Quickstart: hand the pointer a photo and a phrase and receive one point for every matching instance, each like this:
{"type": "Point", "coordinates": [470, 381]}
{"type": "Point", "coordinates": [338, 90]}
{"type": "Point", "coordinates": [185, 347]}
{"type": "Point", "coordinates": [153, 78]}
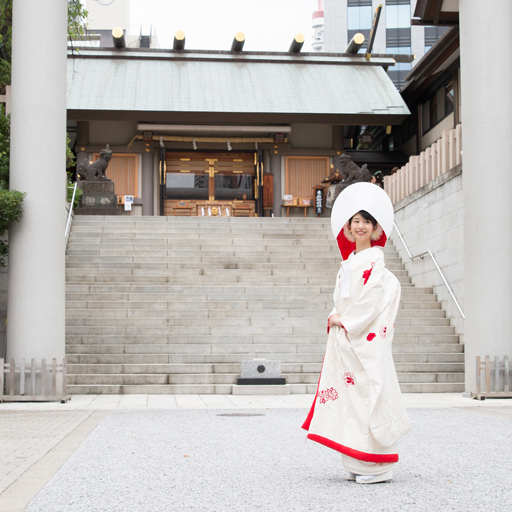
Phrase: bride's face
{"type": "Point", "coordinates": [361, 229]}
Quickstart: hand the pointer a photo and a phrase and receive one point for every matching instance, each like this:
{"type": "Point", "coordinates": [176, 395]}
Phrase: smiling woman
{"type": "Point", "coordinates": [358, 409]}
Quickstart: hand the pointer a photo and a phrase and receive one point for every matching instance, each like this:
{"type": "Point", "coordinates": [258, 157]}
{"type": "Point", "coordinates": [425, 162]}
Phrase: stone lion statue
{"type": "Point", "coordinates": [96, 170]}
{"type": "Point", "coordinates": [352, 173]}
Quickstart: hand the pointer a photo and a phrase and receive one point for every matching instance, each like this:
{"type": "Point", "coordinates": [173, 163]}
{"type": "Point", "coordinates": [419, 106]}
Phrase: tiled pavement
{"type": "Point", "coordinates": [25, 437]}
{"type": "Point", "coordinates": [37, 438]}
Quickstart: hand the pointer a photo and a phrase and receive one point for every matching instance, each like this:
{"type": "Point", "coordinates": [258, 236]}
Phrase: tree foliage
{"type": "Point", "coordinates": [77, 27]}
{"type": "Point", "coordinates": [5, 129]}
{"type": "Point", "coordinates": [10, 200]}
{"type": "Point", "coordinates": [10, 211]}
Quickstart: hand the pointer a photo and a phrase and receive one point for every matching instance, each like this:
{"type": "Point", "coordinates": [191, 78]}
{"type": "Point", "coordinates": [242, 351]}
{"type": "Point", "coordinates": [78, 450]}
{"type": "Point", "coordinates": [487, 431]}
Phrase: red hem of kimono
{"type": "Point", "coordinates": [355, 454]}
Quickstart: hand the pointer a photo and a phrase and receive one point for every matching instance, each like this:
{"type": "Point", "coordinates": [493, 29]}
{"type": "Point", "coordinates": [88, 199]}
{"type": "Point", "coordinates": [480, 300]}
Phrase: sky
{"type": "Point", "coordinates": [268, 25]}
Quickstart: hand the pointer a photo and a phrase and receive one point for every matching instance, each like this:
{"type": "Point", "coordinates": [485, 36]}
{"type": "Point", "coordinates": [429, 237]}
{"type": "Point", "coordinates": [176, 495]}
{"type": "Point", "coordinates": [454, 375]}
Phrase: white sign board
{"type": "Point", "coordinates": [128, 201]}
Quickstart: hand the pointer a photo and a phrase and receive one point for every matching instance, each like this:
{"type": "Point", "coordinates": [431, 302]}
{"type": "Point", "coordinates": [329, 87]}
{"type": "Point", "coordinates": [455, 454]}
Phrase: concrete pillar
{"type": "Point", "coordinates": [147, 183]}
{"type": "Point", "coordinates": [275, 169]}
{"type": "Point", "coordinates": [487, 106]}
{"type": "Point", "coordinates": [36, 292]}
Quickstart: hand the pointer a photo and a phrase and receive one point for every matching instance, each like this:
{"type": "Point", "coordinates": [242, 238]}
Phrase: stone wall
{"type": "Point", "coordinates": [432, 219]}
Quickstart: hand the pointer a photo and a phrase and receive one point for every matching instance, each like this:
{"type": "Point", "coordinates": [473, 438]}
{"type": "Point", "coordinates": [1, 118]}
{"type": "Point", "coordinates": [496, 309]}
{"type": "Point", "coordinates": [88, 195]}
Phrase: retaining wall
{"type": "Point", "coordinates": [431, 219]}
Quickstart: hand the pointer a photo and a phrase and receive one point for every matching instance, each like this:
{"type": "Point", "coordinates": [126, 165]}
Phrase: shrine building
{"type": "Point", "coordinates": [228, 132]}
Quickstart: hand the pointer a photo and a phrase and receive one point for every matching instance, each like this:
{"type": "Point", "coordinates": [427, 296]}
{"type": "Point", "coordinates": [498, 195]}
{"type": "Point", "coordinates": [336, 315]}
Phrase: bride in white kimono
{"type": "Point", "coordinates": [358, 409]}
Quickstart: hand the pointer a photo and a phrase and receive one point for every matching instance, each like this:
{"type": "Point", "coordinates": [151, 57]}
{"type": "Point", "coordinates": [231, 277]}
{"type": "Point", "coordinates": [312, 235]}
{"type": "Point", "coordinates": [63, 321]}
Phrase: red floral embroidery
{"type": "Point", "coordinates": [327, 394]}
{"type": "Point", "coordinates": [371, 336]}
{"type": "Point", "coordinates": [349, 379]}
{"type": "Point", "coordinates": [382, 331]}
{"type": "Point", "coordinates": [367, 273]}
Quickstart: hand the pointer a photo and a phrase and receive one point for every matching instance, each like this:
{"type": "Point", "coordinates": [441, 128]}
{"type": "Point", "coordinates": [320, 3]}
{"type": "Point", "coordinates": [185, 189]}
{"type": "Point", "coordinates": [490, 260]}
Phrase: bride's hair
{"type": "Point", "coordinates": [366, 216]}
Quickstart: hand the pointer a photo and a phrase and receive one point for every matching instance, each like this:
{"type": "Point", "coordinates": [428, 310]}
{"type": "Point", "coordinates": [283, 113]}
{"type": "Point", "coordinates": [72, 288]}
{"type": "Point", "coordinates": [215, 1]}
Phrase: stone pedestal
{"type": "Point", "coordinates": [260, 372]}
{"type": "Point", "coordinates": [98, 198]}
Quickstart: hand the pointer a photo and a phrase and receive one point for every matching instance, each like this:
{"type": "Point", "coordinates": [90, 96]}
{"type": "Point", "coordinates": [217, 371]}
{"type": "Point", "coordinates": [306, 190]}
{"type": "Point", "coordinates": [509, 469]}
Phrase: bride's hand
{"type": "Point", "coordinates": [335, 320]}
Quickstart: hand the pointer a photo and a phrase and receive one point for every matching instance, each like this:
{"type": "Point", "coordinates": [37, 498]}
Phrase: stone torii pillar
{"type": "Point", "coordinates": [36, 290]}
{"type": "Point", "coordinates": [486, 75]}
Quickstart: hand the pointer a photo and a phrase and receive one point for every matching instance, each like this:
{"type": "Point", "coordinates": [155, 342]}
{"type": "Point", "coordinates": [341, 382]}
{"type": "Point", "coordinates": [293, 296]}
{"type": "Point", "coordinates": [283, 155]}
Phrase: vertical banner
{"type": "Point", "coordinates": [319, 200]}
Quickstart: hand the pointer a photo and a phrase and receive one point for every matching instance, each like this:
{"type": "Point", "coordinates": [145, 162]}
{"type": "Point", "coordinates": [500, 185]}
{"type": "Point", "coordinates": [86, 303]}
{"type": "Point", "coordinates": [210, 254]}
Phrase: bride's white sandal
{"type": "Point", "coordinates": [374, 479]}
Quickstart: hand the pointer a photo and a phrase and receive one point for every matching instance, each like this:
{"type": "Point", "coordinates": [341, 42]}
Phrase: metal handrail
{"type": "Point", "coordinates": [70, 211]}
{"type": "Point", "coordinates": [428, 253]}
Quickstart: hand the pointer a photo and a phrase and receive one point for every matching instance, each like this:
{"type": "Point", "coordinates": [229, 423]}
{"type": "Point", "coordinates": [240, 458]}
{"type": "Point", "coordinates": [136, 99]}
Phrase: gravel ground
{"type": "Point", "coordinates": [258, 460]}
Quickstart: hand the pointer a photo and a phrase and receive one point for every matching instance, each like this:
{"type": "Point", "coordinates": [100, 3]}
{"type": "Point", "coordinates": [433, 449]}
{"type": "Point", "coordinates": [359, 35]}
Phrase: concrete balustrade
{"type": "Point", "coordinates": [440, 157]}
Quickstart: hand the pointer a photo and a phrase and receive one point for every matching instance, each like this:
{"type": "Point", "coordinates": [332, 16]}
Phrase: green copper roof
{"type": "Point", "coordinates": [166, 81]}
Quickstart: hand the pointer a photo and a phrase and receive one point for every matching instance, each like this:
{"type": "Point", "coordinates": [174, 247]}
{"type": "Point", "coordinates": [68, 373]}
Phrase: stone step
{"type": "Point", "coordinates": [194, 236]}
{"type": "Point", "coordinates": [201, 358]}
{"type": "Point", "coordinates": [234, 368]}
{"type": "Point", "coordinates": [197, 389]}
{"type": "Point", "coordinates": [317, 321]}
{"type": "Point", "coordinates": [314, 269]}
{"type": "Point", "coordinates": [227, 389]}
{"type": "Point", "coordinates": [265, 302]}
{"type": "Point", "coordinates": [228, 262]}
{"type": "Point", "coordinates": [220, 329]}
{"type": "Point", "coordinates": [195, 379]}
{"type": "Point", "coordinates": [283, 311]}
{"type": "Point", "coordinates": [284, 244]}
{"type": "Point", "coordinates": [219, 227]}
{"type": "Point", "coordinates": [174, 230]}
{"type": "Point", "coordinates": [98, 219]}
{"type": "Point", "coordinates": [227, 353]}
{"type": "Point", "coordinates": [270, 293]}
{"type": "Point", "coordinates": [435, 387]}
{"type": "Point", "coordinates": [299, 338]}
{"type": "Point", "coordinates": [226, 340]}
{"type": "Point", "coordinates": [208, 287]}
{"type": "Point", "coordinates": [163, 305]}
{"type": "Point", "coordinates": [197, 276]}
{"type": "Point", "coordinates": [226, 358]}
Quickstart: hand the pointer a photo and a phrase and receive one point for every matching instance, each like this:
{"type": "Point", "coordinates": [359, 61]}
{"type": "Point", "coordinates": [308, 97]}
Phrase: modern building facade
{"type": "Point", "coordinates": [395, 35]}
{"type": "Point", "coordinates": [105, 15]}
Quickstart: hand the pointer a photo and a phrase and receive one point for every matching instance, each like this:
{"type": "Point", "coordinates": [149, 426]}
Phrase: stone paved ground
{"type": "Point", "coordinates": [197, 453]}
{"type": "Point", "coordinates": [25, 438]}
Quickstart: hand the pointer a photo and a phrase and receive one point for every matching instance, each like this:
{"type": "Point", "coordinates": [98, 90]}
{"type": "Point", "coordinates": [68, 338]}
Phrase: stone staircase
{"type": "Point", "coordinates": [172, 305]}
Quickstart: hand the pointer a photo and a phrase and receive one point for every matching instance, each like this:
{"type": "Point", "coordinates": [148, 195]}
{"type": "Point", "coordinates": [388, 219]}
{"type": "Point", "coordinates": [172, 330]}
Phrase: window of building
{"type": "Point", "coordinates": [440, 105]}
{"type": "Point", "coordinates": [398, 37]}
{"type": "Point", "coordinates": [398, 14]}
{"type": "Point", "coordinates": [433, 110]}
{"type": "Point", "coordinates": [432, 34]}
{"type": "Point", "coordinates": [449, 98]}
{"type": "Point", "coordinates": [399, 71]}
{"type": "Point", "coordinates": [359, 15]}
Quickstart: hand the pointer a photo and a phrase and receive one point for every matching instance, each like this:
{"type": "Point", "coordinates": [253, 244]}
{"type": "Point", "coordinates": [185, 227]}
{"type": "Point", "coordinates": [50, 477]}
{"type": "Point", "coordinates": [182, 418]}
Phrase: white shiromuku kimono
{"type": "Point", "coordinates": [358, 407]}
